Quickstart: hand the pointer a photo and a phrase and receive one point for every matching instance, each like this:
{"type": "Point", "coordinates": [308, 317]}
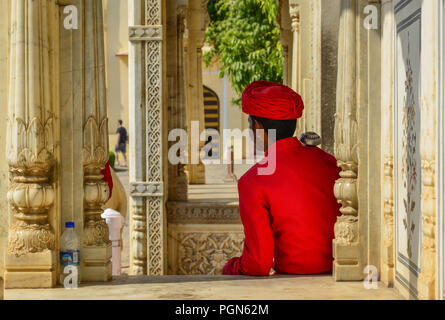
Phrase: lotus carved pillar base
{"type": "Point", "coordinates": [96, 249]}
{"type": "Point", "coordinates": [346, 248]}
{"type": "Point", "coordinates": [31, 256]}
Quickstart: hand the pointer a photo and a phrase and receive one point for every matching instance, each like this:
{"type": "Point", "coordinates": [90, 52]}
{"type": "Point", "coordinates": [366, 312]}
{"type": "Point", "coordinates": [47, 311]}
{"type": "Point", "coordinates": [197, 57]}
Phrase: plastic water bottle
{"type": "Point", "coordinates": [70, 254]}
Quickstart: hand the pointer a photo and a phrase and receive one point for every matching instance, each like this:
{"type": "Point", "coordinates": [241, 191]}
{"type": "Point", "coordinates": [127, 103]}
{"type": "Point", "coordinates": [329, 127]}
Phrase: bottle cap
{"type": "Point", "coordinates": [69, 225]}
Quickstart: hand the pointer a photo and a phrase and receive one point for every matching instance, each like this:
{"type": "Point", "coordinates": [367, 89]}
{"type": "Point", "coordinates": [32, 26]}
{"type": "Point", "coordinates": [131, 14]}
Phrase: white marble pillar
{"type": "Point", "coordinates": [346, 243]}
{"type": "Point", "coordinates": [178, 182]}
{"type": "Point", "coordinates": [96, 251]}
{"type": "Point", "coordinates": [387, 159]}
{"type": "Point", "coordinates": [428, 149]}
{"type": "Point", "coordinates": [295, 76]}
{"type": "Point", "coordinates": [155, 132]}
{"type": "Point", "coordinates": [182, 178]}
{"type": "Point", "coordinates": [138, 219]}
{"type": "Point", "coordinates": [294, 10]}
{"type": "Point", "coordinates": [197, 21]}
{"type": "Point", "coordinates": [284, 22]}
{"type": "Point", "coordinates": [31, 257]}
{"type": "Point", "coordinates": [147, 60]}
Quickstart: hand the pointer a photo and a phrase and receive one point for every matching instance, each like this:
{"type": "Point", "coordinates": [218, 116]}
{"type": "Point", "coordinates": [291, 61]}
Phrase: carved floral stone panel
{"type": "Point", "coordinates": [407, 160]}
{"type": "Point", "coordinates": [207, 253]}
{"type": "Point", "coordinates": [203, 249]}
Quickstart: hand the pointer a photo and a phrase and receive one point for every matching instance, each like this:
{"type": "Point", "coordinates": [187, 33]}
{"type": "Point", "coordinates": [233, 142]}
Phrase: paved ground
{"type": "Point", "coordinates": [212, 287]}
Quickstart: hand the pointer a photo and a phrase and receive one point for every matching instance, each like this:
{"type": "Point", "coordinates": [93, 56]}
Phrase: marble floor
{"type": "Point", "coordinates": [213, 288]}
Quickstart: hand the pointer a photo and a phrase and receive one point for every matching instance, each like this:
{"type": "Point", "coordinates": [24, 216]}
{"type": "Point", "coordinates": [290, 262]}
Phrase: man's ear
{"type": "Point", "coordinates": [257, 125]}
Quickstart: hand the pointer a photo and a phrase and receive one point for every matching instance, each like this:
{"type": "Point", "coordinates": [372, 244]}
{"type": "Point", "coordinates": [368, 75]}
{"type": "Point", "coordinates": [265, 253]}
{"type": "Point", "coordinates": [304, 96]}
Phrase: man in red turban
{"type": "Point", "coordinates": [288, 215]}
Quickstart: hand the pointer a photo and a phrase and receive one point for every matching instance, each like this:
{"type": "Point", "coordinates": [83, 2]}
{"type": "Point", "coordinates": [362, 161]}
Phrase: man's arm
{"type": "Point", "coordinates": [258, 252]}
{"type": "Point", "coordinates": [118, 137]}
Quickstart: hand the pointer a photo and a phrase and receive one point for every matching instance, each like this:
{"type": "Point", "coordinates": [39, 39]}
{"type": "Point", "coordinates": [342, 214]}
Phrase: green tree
{"type": "Point", "coordinates": [245, 39]}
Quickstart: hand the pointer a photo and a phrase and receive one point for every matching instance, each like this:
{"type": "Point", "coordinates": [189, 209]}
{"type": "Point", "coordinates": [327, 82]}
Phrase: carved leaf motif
{"type": "Point", "coordinates": [207, 253]}
{"type": "Point", "coordinates": [35, 141]}
{"type": "Point", "coordinates": [409, 161]}
{"type": "Point", "coordinates": [95, 140]}
{"type": "Point", "coordinates": [27, 238]}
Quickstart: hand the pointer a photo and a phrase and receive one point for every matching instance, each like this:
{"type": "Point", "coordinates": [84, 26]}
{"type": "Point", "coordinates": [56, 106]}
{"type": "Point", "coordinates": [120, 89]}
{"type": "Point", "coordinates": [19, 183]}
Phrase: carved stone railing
{"type": "Point", "coordinates": [203, 236]}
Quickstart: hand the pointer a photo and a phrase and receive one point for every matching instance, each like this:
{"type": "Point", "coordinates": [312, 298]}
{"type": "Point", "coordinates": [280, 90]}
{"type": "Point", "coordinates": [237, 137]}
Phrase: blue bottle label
{"type": "Point", "coordinates": [70, 258]}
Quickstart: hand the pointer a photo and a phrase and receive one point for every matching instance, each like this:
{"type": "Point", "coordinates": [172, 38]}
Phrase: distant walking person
{"type": "Point", "coordinates": [121, 143]}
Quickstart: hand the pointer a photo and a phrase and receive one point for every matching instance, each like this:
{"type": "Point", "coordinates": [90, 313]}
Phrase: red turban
{"type": "Point", "coordinates": [272, 100]}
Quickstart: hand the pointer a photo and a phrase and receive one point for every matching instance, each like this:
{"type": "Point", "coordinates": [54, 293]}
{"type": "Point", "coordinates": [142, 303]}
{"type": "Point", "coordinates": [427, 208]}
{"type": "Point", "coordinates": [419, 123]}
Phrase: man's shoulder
{"type": "Point", "coordinates": [323, 156]}
{"type": "Point", "coordinates": [250, 177]}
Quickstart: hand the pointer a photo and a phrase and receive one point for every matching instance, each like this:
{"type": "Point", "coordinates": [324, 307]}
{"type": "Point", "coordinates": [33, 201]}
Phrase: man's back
{"type": "Point", "coordinates": [299, 200]}
{"type": "Point", "coordinates": [122, 134]}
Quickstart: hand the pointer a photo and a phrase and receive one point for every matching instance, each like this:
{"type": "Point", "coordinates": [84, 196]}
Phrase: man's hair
{"type": "Point", "coordinates": [284, 128]}
{"type": "Point", "coordinates": [120, 122]}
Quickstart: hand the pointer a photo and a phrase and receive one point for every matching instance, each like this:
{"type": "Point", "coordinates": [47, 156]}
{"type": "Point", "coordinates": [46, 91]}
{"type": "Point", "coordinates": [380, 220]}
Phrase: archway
{"type": "Point", "coordinates": [212, 119]}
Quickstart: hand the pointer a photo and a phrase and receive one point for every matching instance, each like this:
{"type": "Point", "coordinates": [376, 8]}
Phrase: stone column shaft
{"type": "Point", "coordinates": [346, 242]}
{"type": "Point", "coordinates": [96, 251]}
{"type": "Point", "coordinates": [295, 77]}
{"type": "Point", "coordinates": [138, 214]}
{"type": "Point", "coordinates": [178, 183]}
{"type": "Point", "coordinates": [283, 21]}
{"type": "Point", "coordinates": [197, 20]}
{"type": "Point", "coordinates": [182, 179]}
{"type": "Point", "coordinates": [31, 258]}
{"type": "Point", "coordinates": [155, 85]}
{"type": "Point", "coordinates": [428, 150]}
{"type": "Point", "coordinates": [387, 258]}
{"type": "Point", "coordinates": [294, 10]}
{"type": "Point", "coordinates": [147, 67]}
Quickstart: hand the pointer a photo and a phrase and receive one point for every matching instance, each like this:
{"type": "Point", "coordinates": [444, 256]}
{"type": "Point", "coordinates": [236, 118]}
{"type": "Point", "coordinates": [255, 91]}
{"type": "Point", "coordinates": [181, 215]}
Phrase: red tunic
{"type": "Point", "coordinates": [108, 178]}
{"type": "Point", "coordinates": [289, 215]}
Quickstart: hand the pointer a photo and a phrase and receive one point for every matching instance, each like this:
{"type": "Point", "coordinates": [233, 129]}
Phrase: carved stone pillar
{"type": "Point", "coordinates": [295, 77]}
{"type": "Point", "coordinates": [294, 10]}
{"type": "Point", "coordinates": [146, 136]}
{"type": "Point", "coordinates": [197, 21]}
{"type": "Point", "coordinates": [428, 260]}
{"type": "Point", "coordinates": [182, 179]}
{"type": "Point", "coordinates": [137, 159]}
{"type": "Point", "coordinates": [96, 252]}
{"type": "Point", "coordinates": [284, 22]}
{"type": "Point", "coordinates": [154, 193]}
{"type": "Point", "coordinates": [286, 64]}
{"type": "Point", "coordinates": [178, 182]}
{"type": "Point", "coordinates": [346, 242]}
{"type": "Point", "coordinates": [387, 83]}
{"type": "Point", "coordinates": [31, 146]}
